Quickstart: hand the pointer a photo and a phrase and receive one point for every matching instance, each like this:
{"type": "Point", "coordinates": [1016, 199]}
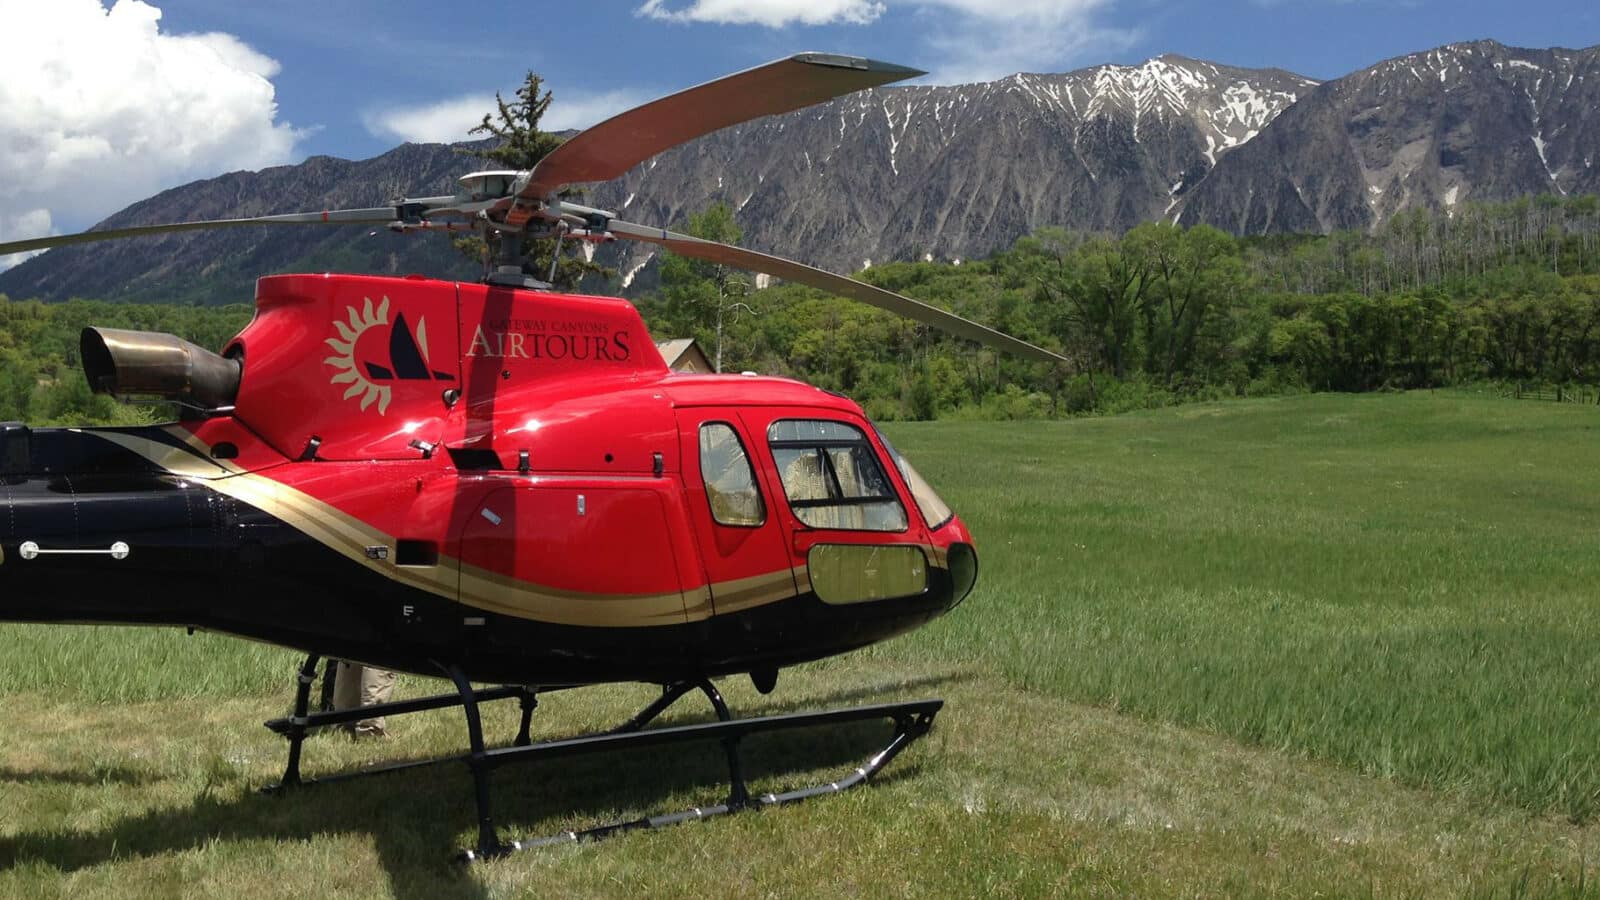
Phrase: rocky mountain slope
{"type": "Point", "coordinates": [954, 172]}
{"type": "Point", "coordinates": [1478, 121]}
{"type": "Point", "coordinates": [221, 266]}
{"type": "Point", "coordinates": [895, 173]}
{"type": "Point", "coordinates": [963, 171]}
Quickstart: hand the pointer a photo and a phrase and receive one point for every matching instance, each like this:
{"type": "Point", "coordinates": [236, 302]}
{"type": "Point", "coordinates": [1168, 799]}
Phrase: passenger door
{"type": "Point", "coordinates": [735, 519]}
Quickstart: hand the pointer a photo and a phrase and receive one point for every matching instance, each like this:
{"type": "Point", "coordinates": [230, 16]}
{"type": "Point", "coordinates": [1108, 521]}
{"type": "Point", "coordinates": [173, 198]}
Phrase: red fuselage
{"type": "Point", "coordinates": [419, 472]}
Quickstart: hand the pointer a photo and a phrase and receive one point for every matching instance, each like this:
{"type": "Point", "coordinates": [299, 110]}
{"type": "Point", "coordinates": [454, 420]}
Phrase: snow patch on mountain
{"type": "Point", "coordinates": [635, 269]}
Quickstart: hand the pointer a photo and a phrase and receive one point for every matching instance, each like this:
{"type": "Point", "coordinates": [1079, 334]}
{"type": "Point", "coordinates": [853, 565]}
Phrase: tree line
{"type": "Point", "coordinates": [41, 374]}
{"type": "Point", "coordinates": [1483, 293]}
{"type": "Point", "coordinates": [1156, 316]}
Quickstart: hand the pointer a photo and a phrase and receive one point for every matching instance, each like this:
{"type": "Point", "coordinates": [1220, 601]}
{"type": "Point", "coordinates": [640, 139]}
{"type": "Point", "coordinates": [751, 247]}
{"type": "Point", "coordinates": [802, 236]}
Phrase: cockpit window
{"type": "Point", "coordinates": [934, 510]}
{"type": "Point", "coordinates": [832, 476]}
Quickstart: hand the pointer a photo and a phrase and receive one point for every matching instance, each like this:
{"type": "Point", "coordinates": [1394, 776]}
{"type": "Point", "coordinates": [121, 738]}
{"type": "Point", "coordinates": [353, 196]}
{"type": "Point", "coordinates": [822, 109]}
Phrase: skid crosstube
{"type": "Point", "coordinates": [298, 724]}
{"type": "Point", "coordinates": [911, 720]}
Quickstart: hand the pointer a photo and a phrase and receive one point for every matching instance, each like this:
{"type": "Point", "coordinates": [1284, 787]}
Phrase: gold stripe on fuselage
{"type": "Point", "coordinates": [173, 460]}
{"type": "Point", "coordinates": [749, 593]}
{"type": "Point", "coordinates": [452, 579]}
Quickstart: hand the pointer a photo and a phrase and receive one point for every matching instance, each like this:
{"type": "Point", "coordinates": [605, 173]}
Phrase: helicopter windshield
{"type": "Point", "coordinates": [934, 510]}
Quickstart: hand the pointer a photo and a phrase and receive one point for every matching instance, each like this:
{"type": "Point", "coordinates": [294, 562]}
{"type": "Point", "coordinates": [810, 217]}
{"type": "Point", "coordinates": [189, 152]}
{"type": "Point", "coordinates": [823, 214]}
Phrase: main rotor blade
{"type": "Point", "coordinates": [611, 148]}
{"type": "Point", "coordinates": [750, 260]}
{"type": "Point", "coordinates": [379, 215]}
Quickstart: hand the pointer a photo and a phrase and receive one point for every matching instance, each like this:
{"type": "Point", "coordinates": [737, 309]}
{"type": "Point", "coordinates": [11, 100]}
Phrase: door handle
{"type": "Point", "coordinates": [31, 550]}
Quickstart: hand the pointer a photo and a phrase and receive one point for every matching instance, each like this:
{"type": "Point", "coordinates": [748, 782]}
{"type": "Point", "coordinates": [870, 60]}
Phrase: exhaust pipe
{"type": "Point", "coordinates": [149, 363]}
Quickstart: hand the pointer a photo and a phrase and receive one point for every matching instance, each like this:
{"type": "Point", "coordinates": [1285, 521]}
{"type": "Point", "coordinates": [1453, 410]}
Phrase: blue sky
{"type": "Point", "coordinates": [108, 101]}
{"type": "Point", "coordinates": [347, 60]}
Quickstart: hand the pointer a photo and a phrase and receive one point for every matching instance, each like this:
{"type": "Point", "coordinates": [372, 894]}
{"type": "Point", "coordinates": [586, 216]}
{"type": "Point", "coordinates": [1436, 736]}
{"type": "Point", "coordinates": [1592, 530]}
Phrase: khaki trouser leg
{"type": "Point", "coordinates": [355, 686]}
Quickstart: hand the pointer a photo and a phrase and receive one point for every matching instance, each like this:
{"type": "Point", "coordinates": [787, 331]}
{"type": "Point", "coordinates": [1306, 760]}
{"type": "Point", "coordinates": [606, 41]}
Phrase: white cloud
{"type": "Point", "coordinates": [441, 122]}
{"type": "Point", "coordinates": [1033, 11]}
{"type": "Point", "coordinates": [967, 40]}
{"type": "Point", "coordinates": [973, 40]}
{"type": "Point", "coordinates": [580, 110]}
{"type": "Point", "coordinates": [17, 226]}
{"type": "Point", "coordinates": [99, 108]}
{"type": "Point", "coordinates": [771, 13]}
{"type": "Point", "coordinates": [445, 121]}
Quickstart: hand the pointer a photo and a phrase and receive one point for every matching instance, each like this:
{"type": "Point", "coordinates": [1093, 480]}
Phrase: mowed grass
{"type": "Point", "coordinates": [1318, 645]}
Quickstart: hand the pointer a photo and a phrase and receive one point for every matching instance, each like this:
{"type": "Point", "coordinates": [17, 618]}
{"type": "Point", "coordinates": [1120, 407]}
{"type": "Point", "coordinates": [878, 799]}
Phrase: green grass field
{"type": "Point", "coordinates": [1329, 644]}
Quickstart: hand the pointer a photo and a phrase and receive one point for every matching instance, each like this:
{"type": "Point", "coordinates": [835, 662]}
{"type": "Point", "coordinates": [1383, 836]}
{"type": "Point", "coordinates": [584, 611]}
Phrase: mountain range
{"type": "Point", "coordinates": [1478, 121]}
{"type": "Point", "coordinates": [953, 172]}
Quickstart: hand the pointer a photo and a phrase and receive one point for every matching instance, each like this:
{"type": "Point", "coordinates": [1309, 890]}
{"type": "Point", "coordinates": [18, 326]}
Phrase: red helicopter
{"type": "Point", "coordinates": [500, 483]}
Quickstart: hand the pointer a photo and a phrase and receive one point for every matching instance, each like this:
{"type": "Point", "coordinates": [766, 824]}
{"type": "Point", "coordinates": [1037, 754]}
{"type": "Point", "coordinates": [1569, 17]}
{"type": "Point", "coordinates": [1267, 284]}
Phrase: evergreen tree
{"type": "Point", "coordinates": [520, 144]}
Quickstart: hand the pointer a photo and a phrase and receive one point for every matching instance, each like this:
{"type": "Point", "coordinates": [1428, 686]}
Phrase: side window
{"type": "Point", "coordinates": [730, 482]}
{"type": "Point", "coordinates": [832, 476]}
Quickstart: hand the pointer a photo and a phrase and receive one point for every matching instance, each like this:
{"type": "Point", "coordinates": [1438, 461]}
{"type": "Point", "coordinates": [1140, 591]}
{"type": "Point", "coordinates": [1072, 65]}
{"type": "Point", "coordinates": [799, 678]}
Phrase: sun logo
{"type": "Point", "coordinates": [344, 348]}
{"type": "Point", "coordinates": [363, 362]}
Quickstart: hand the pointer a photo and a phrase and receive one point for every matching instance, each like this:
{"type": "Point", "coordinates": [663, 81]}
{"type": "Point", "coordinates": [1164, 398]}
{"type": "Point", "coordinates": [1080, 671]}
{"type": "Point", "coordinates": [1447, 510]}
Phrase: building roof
{"type": "Point", "coordinates": [683, 354]}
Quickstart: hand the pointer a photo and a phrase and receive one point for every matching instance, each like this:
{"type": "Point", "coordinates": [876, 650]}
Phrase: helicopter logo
{"type": "Point", "coordinates": [404, 354]}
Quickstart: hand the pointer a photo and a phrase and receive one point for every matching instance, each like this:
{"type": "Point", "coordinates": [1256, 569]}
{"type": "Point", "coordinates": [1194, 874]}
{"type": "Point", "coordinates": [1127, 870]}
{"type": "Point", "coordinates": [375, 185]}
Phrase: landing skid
{"type": "Point", "coordinates": [911, 721]}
